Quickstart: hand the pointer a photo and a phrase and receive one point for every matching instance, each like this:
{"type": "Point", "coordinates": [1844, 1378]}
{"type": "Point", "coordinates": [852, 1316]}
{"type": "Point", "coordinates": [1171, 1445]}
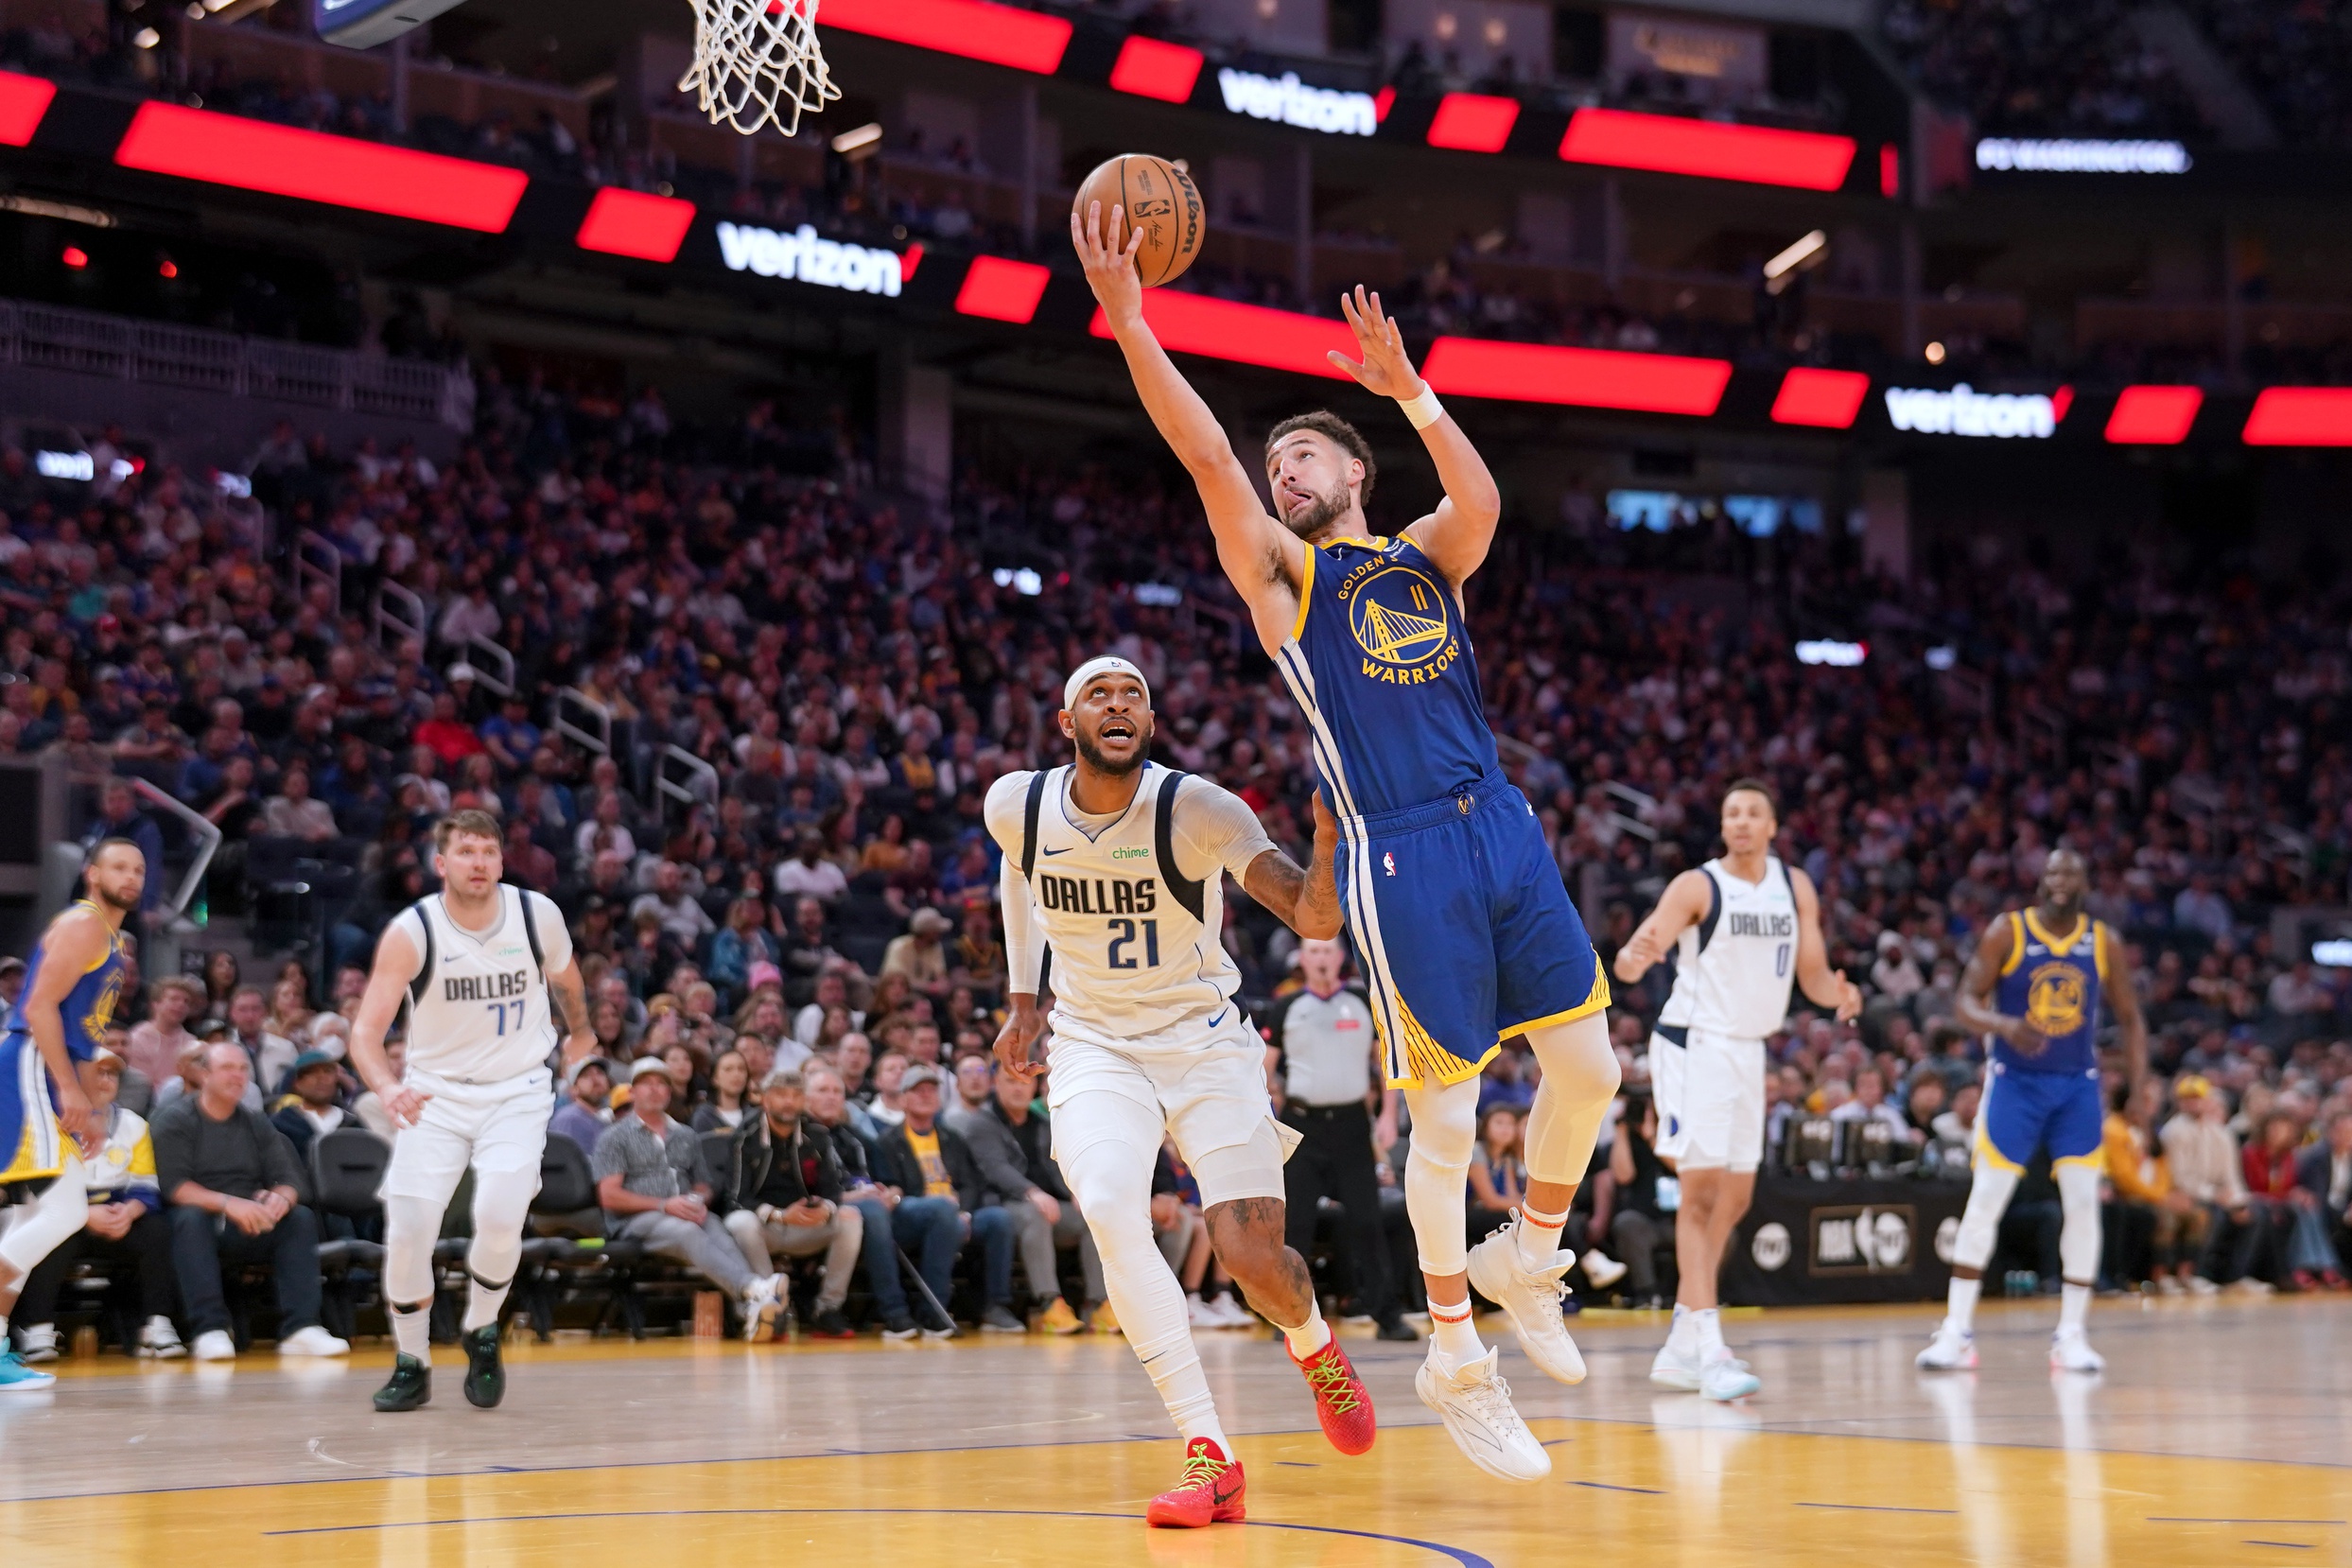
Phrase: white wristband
{"type": "Point", "coordinates": [1423, 411]}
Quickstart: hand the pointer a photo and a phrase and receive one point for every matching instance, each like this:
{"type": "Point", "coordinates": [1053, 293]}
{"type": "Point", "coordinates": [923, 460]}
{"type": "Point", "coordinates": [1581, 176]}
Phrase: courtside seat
{"type": "Point", "coordinates": [346, 1174]}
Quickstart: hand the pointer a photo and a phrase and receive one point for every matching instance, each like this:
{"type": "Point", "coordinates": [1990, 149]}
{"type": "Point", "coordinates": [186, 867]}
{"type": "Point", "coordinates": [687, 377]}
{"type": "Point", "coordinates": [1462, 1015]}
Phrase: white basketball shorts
{"type": "Point", "coordinates": [493, 1128]}
{"type": "Point", "coordinates": [1709, 1090]}
{"type": "Point", "coordinates": [1202, 1083]}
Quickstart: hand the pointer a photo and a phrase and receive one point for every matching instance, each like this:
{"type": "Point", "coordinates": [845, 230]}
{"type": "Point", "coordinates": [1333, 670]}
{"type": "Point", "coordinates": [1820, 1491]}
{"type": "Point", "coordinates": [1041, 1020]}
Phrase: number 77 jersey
{"type": "Point", "coordinates": [1132, 905]}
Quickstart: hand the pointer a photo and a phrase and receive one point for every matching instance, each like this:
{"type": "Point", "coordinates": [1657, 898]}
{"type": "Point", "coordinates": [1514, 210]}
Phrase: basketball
{"type": "Point", "coordinates": [1159, 198]}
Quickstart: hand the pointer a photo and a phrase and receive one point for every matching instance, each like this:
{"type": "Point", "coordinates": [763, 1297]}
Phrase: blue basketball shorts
{"type": "Point", "coordinates": [2024, 1111]}
{"type": "Point", "coordinates": [32, 1143]}
{"type": "Point", "coordinates": [1464, 929]}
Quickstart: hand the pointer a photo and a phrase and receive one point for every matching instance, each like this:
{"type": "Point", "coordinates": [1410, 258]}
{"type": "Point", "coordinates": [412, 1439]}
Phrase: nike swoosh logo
{"type": "Point", "coordinates": [1219, 1018]}
{"type": "Point", "coordinates": [1222, 1495]}
{"type": "Point", "coordinates": [1063, 850]}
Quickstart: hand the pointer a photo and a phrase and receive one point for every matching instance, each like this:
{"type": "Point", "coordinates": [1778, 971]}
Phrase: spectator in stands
{"type": "Point", "coordinates": [832, 992]}
{"type": "Point", "coordinates": [2325, 1172]}
{"type": "Point", "coordinates": [919, 955]}
{"type": "Point", "coordinates": [1870, 1104]}
{"type": "Point", "coordinates": [156, 1044]}
{"type": "Point", "coordinates": [2294, 1236]}
{"type": "Point", "coordinates": [1639, 1219]}
{"type": "Point", "coordinates": [294, 812]}
{"type": "Point", "coordinates": [745, 941]}
{"type": "Point", "coordinates": [931, 1229]}
{"type": "Point", "coordinates": [236, 1194]}
{"type": "Point", "coordinates": [446, 733]}
{"type": "Point", "coordinates": [368, 1109]}
{"type": "Point", "coordinates": [310, 1108]}
{"type": "Point", "coordinates": [656, 1190]}
{"type": "Point", "coordinates": [270, 1054]}
{"type": "Point", "coordinates": [1012, 1140]}
{"type": "Point", "coordinates": [12, 987]}
{"type": "Point", "coordinates": [2156, 1230]}
{"type": "Point", "coordinates": [2202, 1154]}
{"type": "Point", "coordinates": [527, 863]}
{"type": "Point", "coordinates": [120, 817]}
{"type": "Point", "coordinates": [919, 1156]}
{"type": "Point", "coordinates": [680, 915]}
{"type": "Point", "coordinates": [731, 1100]}
{"type": "Point", "coordinates": [583, 1115]}
{"type": "Point", "coordinates": [126, 1229]}
{"type": "Point", "coordinates": [809, 873]}
{"type": "Point", "coordinates": [783, 1196]}
{"type": "Point", "coordinates": [1498, 1173]}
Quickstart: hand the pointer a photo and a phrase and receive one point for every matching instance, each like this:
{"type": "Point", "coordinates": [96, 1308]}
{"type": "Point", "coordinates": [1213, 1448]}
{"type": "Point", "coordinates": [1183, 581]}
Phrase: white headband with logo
{"type": "Point", "coordinates": [1105, 665]}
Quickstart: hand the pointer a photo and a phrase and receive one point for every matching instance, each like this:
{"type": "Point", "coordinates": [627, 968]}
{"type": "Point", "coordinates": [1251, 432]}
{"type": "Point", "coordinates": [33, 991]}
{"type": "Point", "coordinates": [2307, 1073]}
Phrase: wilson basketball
{"type": "Point", "coordinates": [1159, 198]}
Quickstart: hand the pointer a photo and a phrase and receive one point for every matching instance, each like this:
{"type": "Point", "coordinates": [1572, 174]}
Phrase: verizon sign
{"type": "Point", "coordinates": [807, 256]}
{"type": "Point", "coordinates": [1965, 411]}
{"type": "Point", "coordinates": [1293, 102]}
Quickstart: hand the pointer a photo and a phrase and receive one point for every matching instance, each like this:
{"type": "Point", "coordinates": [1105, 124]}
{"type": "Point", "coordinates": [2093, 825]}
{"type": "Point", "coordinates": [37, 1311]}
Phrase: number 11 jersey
{"type": "Point", "coordinates": [1131, 906]}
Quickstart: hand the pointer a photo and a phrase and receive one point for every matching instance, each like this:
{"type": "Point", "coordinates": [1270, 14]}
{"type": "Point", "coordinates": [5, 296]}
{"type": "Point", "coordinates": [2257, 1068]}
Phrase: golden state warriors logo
{"type": "Point", "coordinates": [2054, 997]}
{"type": "Point", "coordinates": [1402, 619]}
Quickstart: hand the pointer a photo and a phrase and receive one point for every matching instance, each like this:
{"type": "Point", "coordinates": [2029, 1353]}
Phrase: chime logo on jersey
{"type": "Point", "coordinates": [2054, 999]}
{"type": "Point", "coordinates": [1402, 621]}
{"type": "Point", "coordinates": [1097, 894]}
{"type": "Point", "coordinates": [496, 988]}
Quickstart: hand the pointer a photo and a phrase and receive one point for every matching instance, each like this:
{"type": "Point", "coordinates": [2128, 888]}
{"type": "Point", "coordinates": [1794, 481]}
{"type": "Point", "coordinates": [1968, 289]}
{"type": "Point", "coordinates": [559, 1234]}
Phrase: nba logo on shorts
{"type": "Point", "coordinates": [1389, 861]}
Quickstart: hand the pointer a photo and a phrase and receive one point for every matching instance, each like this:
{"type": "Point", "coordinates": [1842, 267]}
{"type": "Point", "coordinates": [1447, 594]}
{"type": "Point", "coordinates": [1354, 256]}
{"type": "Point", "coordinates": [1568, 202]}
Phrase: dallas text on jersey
{"type": "Point", "coordinates": [1771, 927]}
{"type": "Point", "coordinates": [485, 987]}
{"type": "Point", "coordinates": [1098, 894]}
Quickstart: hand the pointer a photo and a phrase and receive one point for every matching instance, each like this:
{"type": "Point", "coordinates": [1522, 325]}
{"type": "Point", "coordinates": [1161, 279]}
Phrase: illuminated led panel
{"type": "Point", "coordinates": [1826, 399]}
{"type": "Point", "coordinates": [195, 144]}
{"type": "Point", "coordinates": [1002, 290]}
{"type": "Point", "coordinates": [1670, 143]}
{"type": "Point", "coordinates": [1002, 35]}
{"type": "Point", "coordinates": [1151, 69]}
{"type": "Point", "coordinates": [1586, 377]}
{"type": "Point", "coordinates": [22, 101]}
{"type": "Point", "coordinates": [633, 223]}
{"type": "Point", "coordinates": [1250, 334]}
{"type": "Point", "coordinates": [2153, 416]}
{"type": "Point", "coordinates": [1474, 122]}
{"type": "Point", "coordinates": [2300, 416]}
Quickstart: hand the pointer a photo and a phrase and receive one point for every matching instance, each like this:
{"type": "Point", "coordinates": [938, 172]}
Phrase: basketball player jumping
{"type": "Point", "coordinates": [71, 981]}
{"type": "Point", "coordinates": [475, 965]}
{"type": "Point", "coordinates": [1118, 865]}
{"type": "Point", "coordinates": [1742, 928]}
{"type": "Point", "coordinates": [1449, 889]}
{"type": "Point", "coordinates": [2034, 988]}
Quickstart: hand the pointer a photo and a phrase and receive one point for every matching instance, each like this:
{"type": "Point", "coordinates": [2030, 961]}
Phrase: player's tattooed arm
{"type": "Point", "coordinates": [570, 994]}
{"type": "Point", "coordinates": [1304, 899]}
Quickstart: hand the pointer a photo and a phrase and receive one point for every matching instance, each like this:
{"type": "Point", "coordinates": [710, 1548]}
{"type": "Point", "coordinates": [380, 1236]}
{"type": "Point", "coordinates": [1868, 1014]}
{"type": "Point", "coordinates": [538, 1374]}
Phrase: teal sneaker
{"type": "Point", "coordinates": [17, 1378]}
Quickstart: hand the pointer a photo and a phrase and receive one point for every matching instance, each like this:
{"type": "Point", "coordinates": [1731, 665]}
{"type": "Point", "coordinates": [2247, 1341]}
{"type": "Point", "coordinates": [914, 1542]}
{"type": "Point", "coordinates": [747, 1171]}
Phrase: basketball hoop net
{"type": "Point", "coordinates": [757, 62]}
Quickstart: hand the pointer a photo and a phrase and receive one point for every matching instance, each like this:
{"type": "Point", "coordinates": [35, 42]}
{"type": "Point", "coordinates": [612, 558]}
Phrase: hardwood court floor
{"type": "Point", "coordinates": [2221, 1433]}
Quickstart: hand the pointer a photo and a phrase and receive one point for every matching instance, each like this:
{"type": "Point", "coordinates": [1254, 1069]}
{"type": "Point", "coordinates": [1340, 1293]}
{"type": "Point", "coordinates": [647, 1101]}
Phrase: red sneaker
{"type": "Point", "coordinates": [1341, 1402]}
{"type": "Point", "coordinates": [1208, 1492]}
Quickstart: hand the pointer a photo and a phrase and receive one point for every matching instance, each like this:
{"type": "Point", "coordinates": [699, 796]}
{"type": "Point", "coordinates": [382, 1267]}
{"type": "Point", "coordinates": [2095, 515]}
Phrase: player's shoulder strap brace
{"type": "Point", "coordinates": [1189, 892]}
{"type": "Point", "coordinates": [1030, 809]}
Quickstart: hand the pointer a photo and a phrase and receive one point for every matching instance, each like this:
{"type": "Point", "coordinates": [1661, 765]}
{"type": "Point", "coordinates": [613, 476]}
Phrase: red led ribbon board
{"type": "Point", "coordinates": [195, 144]}
{"type": "Point", "coordinates": [22, 101]}
{"type": "Point", "coordinates": [1474, 122]}
{"type": "Point", "coordinates": [2153, 416]}
{"type": "Point", "coordinates": [1668, 144]}
{"type": "Point", "coordinates": [998, 289]}
{"type": "Point", "coordinates": [1000, 35]}
{"type": "Point", "coordinates": [1249, 334]}
{"type": "Point", "coordinates": [2300, 416]}
{"type": "Point", "coordinates": [1584, 377]}
{"type": "Point", "coordinates": [633, 223]}
{"type": "Point", "coordinates": [1151, 69]}
{"type": "Point", "coordinates": [1825, 399]}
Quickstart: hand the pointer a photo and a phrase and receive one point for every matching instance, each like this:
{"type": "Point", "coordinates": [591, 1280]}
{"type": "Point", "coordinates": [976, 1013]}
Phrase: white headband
{"type": "Point", "coordinates": [1102, 666]}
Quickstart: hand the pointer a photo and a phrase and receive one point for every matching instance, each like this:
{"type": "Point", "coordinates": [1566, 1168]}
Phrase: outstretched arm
{"type": "Point", "coordinates": [1825, 986]}
{"type": "Point", "coordinates": [1683, 906]}
{"type": "Point", "coordinates": [1262, 559]}
{"type": "Point", "coordinates": [1458, 533]}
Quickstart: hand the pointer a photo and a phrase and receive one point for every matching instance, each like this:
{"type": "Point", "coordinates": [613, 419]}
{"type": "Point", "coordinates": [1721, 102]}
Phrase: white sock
{"type": "Point", "coordinates": [4, 1331]}
{"type": "Point", "coordinates": [412, 1332]}
{"type": "Point", "coordinates": [1707, 1323]}
{"type": "Point", "coordinates": [1684, 1325]}
{"type": "Point", "coordinates": [483, 1306]}
{"type": "Point", "coordinates": [1453, 1335]}
{"type": "Point", "coordinates": [1311, 1335]}
{"type": "Point", "coordinates": [2074, 1305]}
{"type": "Point", "coordinates": [1539, 1238]}
{"type": "Point", "coordinates": [1959, 1311]}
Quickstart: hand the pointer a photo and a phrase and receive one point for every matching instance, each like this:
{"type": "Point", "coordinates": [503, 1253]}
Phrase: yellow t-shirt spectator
{"type": "Point", "coordinates": [2137, 1169]}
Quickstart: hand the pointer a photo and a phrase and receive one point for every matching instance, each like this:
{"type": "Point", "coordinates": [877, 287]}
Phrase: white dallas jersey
{"type": "Point", "coordinates": [1135, 936]}
{"type": "Point", "coordinates": [477, 1004]}
{"type": "Point", "coordinates": [1733, 969]}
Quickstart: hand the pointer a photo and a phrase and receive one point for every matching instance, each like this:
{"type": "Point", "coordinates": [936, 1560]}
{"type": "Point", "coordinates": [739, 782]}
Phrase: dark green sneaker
{"type": "Point", "coordinates": [411, 1385]}
{"type": "Point", "coordinates": [485, 1379]}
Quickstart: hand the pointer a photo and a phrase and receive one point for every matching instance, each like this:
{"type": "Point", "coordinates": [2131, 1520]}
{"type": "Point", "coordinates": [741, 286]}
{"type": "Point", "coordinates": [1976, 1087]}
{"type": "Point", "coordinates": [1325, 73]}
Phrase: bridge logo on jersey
{"type": "Point", "coordinates": [1402, 620]}
{"type": "Point", "coordinates": [2054, 999]}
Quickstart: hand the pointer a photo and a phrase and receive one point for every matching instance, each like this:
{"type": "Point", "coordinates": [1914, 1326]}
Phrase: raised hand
{"type": "Point", "coordinates": [1110, 267]}
{"type": "Point", "coordinates": [1385, 368]}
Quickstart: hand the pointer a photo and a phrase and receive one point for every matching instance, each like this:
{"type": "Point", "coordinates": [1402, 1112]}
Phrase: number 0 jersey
{"type": "Point", "coordinates": [1132, 906]}
{"type": "Point", "coordinates": [1732, 970]}
{"type": "Point", "coordinates": [477, 1004]}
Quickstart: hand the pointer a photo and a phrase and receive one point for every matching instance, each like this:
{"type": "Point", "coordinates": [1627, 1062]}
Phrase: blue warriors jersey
{"type": "Point", "coordinates": [1380, 662]}
{"type": "Point", "coordinates": [2052, 983]}
{"type": "Point", "coordinates": [87, 1007]}
{"type": "Point", "coordinates": [31, 1144]}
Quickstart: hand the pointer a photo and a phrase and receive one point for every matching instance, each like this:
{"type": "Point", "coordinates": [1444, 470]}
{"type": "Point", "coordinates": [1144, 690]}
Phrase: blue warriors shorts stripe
{"type": "Point", "coordinates": [1465, 931]}
{"type": "Point", "coordinates": [2026, 1111]}
{"type": "Point", "coordinates": [31, 1144]}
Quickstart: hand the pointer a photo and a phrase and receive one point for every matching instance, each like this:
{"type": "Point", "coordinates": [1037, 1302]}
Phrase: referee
{"type": "Point", "coordinates": [1328, 1046]}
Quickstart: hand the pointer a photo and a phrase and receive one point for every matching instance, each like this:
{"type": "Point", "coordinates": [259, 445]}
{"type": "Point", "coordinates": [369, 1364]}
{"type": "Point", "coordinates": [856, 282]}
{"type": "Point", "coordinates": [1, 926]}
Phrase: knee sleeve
{"type": "Point", "coordinates": [411, 1226]}
{"type": "Point", "coordinates": [2078, 1237]}
{"type": "Point", "coordinates": [1445, 1133]}
{"type": "Point", "coordinates": [1981, 1222]}
{"type": "Point", "coordinates": [1112, 1184]}
{"type": "Point", "coordinates": [56, 1214]}
{"type": "Point", "coordinates": [501, 1202]}
{"type": "Point", "coordinates": [1580, 1077]}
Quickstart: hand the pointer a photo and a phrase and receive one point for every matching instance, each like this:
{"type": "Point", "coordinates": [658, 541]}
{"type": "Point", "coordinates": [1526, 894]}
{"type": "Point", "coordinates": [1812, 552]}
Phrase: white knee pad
{"type": "Point", "coordinates": [1436, 1171]}
{"type": "Point", "coordinates": [501, 1202]}
{"type": "Point", "coordinates": [1580, 1078]}
{"type": "Point", "coordinates": [411, 1225]}
{"type": "Point", "coordinates": [2078, 1235]}
{"type": "Point", "coordinates": [1988, 1192]}
{"type": "Point", "coordinates": [56, 1214]}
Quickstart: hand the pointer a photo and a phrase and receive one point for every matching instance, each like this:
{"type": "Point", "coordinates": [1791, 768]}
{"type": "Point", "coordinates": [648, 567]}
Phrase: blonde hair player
{"type": "Point", "coordinates": [1118, 864]}
{"type": "Point", "coordinates": [1743, 927]}
{"type": "Point", "coordinates": [1452, 898]}
{"type": "Point", "coordinates": [475, 965]}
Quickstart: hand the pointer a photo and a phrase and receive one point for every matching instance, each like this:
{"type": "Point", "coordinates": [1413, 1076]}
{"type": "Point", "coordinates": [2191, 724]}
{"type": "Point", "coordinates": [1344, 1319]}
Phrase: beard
{"type": "Point", "coordinates": [1099, 763]}
{"type": "Point", "coordinates": [1308, 520]}
{"type": "Point", "coordinates": [123, 901]}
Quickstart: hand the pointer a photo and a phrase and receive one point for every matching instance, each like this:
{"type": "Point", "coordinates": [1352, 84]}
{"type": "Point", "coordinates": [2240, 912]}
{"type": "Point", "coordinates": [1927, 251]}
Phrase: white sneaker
{"type": "Point", "coordinates": [1201, 1315]}
{"type": "Point", "coordinates": [1951, 1351]}
{"type": "Point", "coordinates": [159, 1340]}
{"type": "Point", "coordinates": [2251, 1287]}
{"type": "Point", "coordinates": [214, 1345]}
{"type": "Point", "coordinates": [762, 1304]}
{"type": "Point", "coordinates": [313, 1340]}
{"type": "Point", "coordinates": [40, 1343]}
{"type": "Point", "coordinates": [2170, 1284]}
{"type": "Point", "coordinates": [2200, 1286]}
{"type": "Point", "coordinates": [1676, 1368]}
{"type": "Point", "coordinates": [1602, 1269]}
{"type": "Point", "coordinates": [1235, 1315]}
{"type": "Point", "coordinates": [1476, 1405]}
{"type": "Point", "coordinates": [1533, 1298]}
{"type": "Point", "coordinates": [2070, 1351]}
{"type": "Point", "coordinates": [1728, 1377]}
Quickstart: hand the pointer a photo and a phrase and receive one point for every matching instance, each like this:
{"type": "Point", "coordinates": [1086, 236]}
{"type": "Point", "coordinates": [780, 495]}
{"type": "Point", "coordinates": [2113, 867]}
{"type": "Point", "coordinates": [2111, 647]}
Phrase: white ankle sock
{"type": "Point", "coordinates": [1684, 1327]}
{"type": "Point", "coordinates": [1960, 1305]}
{"type": "Point", "coordinates": [412, 1333]}
{"type": "Point", "coordinates": [2074, 1305]}
{"type": "Point", "coordinates": [1311, 1335]}
{"type": "Point", "coordinates": [1537, 1236]}
{"type": "Point", "coordinates": [1453, 1335]}
{"type": "Point", "coordinates": [1707, 1328]}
